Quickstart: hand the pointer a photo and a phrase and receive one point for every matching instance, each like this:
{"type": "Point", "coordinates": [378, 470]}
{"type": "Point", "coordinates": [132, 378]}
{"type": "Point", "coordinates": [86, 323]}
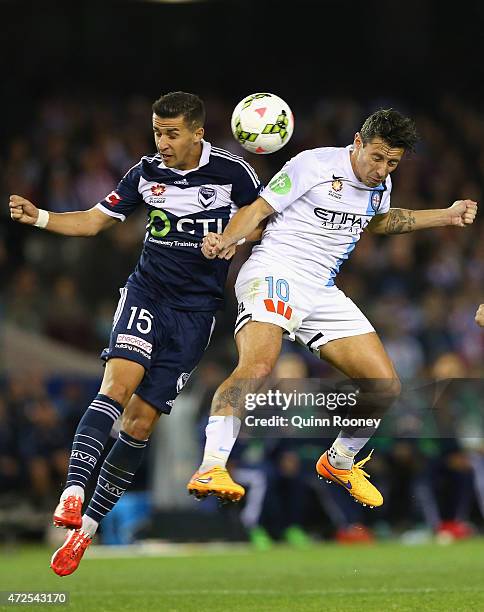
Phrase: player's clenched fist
{"type": "Point", "coordinates": [212, 245]}
{"type": "Point", "coordinates": [463, 212]}
{"type": "Point", "coordinates": [22, 210]}
{"type": "Point", "coordinates": [480, 315]}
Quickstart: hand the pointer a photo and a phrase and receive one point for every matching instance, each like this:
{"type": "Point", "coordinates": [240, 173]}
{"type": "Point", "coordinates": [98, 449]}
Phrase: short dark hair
{"type": "Point", "coordinates": [178, 103]}
{"type": "Point", "coordinates": [391, 126]}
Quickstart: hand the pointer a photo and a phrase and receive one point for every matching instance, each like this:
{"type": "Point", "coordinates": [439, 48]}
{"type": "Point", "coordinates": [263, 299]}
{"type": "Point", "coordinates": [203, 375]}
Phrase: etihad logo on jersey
{"type": "Point", "coordinates": [337, 220]}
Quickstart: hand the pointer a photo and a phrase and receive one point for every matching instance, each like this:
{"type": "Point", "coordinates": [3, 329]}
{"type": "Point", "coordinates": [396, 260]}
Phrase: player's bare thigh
{"type": "Point", "coordinates": [362, 357]}
{"type": "Point", "coordinates": [121, 379]}
{"type": "Point", "coordinates": [259, 345]}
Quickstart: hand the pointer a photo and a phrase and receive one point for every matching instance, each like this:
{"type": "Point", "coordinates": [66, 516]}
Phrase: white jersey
{"type": "Point", "coordinates": [321, 211]}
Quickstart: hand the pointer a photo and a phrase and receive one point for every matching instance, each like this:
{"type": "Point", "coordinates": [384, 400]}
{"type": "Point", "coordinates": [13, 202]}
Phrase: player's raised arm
{"type": "Point", "coordinates": [81, 223]}
{"type": "Point", "coordinates": [402, 221]}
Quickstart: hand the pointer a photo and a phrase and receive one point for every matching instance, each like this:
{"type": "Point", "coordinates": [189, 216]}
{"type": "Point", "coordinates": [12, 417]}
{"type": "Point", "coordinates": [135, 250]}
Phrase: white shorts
{"type": "Point", "coordinates": [309, 313]}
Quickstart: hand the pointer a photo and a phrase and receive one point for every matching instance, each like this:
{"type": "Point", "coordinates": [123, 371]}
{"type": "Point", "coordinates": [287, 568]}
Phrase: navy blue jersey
{"type": "Point", "coordinates": [182, 207]}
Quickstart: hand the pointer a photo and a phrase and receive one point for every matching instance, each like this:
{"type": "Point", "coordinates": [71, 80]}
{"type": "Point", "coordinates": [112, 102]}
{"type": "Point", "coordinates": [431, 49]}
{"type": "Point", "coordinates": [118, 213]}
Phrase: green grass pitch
{"type": "Point", "coordinates": [325, 577]}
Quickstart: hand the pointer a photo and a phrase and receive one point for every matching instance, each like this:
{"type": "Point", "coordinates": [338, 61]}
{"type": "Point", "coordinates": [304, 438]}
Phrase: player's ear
{"type": "Point", "coordinates": [357, 142]}
{"type": "Point", "coordinates": [198, 134]}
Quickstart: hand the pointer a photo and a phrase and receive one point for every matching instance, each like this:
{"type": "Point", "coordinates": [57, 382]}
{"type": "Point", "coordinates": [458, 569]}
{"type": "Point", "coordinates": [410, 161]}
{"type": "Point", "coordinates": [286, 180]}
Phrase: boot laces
{"type": "Point", "coordinates": [71, 502]}
{"type": "Point", "coordinates": [358, 466]}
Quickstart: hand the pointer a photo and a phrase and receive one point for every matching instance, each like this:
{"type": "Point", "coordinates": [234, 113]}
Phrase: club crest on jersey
{"type": "Point", "coordinates": [207, 196]}
{"type": "Point", "coordinates": [158, 189]}
{"type": "Point", "coordinates": [375, 200]}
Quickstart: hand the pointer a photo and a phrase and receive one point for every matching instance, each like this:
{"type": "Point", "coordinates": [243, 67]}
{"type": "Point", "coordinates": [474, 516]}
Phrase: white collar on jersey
{"type": "Point", "coordinates": [204, 159]}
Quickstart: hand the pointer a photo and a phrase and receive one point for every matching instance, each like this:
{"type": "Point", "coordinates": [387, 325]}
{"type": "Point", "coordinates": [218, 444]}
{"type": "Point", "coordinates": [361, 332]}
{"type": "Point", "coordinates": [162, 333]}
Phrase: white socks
{"type": "Point", "coordinates": [73, 490]}
{"type": "Point", "coordinates": [221, 433]}
{"type": "Point", "coordinates": [89, 525]}
{"type": "Point", "coordinates": [343, 451]}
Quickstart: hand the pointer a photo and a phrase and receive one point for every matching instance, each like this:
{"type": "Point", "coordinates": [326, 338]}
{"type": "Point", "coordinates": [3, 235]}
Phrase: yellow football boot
{"type": "Point", "coordinates": [216, 481]}
{"type": "Point", "coordinates": [355, 481]}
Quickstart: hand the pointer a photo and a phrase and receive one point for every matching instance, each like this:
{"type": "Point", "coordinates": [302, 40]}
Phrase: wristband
{"type": "Point", "coordinates": [42, 219]}
{"type": "Point", "coordinates": [241, 241]}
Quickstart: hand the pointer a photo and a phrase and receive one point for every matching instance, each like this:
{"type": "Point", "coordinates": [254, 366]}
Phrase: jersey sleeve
{"type": "Point", "coordinates": [298, 176]}
{"type": "Point", "coordinates": [246, 186]}
{"type": "Point", "coordinates": [121, 202]}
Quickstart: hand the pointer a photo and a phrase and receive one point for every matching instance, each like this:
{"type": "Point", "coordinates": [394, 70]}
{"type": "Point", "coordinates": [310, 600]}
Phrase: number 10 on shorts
{"type": "Point", "coordinates": [281, 289]}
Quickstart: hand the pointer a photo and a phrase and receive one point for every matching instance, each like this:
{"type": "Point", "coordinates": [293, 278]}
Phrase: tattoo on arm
{"type": "Point", "coordinates": [400, 221]}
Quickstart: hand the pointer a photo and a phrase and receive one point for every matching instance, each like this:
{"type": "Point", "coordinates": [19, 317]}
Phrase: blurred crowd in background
{"type": "Point", "coordinates": [420, 291]}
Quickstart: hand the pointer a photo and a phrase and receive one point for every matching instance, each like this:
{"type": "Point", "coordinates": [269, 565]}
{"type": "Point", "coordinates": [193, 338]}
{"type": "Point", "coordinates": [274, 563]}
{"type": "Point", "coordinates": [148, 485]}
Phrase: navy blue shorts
{"type": "Point", "coordinates": [168, 343]}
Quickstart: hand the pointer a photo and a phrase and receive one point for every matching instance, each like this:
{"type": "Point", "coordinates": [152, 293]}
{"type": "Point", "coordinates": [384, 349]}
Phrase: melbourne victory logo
{"type": "Point", "coordinates": [375, 200]}
{"type": "Point", "coordinates": [207, 196]}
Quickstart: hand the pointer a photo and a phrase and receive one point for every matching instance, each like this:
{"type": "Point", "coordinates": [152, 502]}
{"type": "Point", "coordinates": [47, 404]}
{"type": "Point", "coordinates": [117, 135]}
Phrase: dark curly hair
{"type": "Point", "coordinates": [391, 126]}
{"type": "Point", "coordinates": [178, 103]}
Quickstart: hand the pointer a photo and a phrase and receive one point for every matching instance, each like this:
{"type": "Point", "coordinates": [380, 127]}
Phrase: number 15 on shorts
{"type": "Point", "coordinates": [143, 317]}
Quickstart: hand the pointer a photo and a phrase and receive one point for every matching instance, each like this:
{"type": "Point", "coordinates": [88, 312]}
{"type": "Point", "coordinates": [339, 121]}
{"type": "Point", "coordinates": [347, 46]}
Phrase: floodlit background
{"type": "Point", "coordinates": [77, 84]}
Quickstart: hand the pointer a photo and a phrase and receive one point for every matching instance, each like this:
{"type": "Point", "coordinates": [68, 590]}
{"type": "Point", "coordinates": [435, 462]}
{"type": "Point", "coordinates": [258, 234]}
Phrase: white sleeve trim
{"type": "Point", "coordinates": [110, 213]}
{"type": "Point", "coordinates": [266, 195]}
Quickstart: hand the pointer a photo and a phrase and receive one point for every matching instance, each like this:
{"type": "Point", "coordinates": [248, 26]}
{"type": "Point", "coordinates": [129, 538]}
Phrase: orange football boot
{"type": "Point", "coordinates": [355, 480]}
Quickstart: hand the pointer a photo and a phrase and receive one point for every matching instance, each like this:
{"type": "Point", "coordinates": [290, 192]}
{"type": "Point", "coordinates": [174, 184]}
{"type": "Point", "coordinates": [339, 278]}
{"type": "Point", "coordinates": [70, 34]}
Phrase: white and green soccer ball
{"type": "Point", "coordinates": [262, 123]}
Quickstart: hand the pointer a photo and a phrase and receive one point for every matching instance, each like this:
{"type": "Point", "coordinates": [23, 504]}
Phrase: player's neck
{"type": "Point", "coordinates": [193, 160]}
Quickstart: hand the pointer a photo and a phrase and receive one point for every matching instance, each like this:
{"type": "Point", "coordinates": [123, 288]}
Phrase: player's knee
{"type": "Point", "coordinates": [137, 426]}
{"type": "Point", "coordinates": [386, 390]}
{"type": "Point", "coordinates": [396, 388]}
{"type": "Point", "coordinates": [391, 389]}
{"type": "Point", "coordinates": [118, 391]}
{"type": "Point", "coordinates": [258, 369]}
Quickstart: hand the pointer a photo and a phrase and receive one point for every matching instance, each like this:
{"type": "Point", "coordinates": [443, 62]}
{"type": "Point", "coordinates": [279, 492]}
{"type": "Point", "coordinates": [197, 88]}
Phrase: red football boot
{"type": "Point", "coordinates": [66, 559]}
{"type": "Point", "coordinates": [68, 513]}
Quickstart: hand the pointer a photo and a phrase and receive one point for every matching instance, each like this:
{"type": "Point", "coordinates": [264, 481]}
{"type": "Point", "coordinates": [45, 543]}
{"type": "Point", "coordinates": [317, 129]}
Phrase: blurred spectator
{"type": "Point", "coordinates": [44, 447]}
{"type": "Point", "coordinates": [67, 320]}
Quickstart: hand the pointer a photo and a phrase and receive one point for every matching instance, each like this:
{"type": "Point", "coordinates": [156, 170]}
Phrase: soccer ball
{"type": "Point", "coordinates": [262, 123]}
